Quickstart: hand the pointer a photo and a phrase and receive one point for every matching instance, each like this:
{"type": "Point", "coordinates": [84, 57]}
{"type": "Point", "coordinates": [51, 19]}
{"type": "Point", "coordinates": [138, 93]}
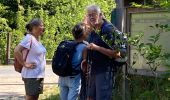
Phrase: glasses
{"type": "Point", "coordinates": [93, 15]}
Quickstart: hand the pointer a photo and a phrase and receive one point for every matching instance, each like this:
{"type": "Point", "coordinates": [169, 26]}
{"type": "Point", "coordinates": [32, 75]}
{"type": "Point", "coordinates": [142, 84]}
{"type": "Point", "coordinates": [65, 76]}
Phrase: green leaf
{"type": "Point", "coordinates": [151, 40]}
{"type": "Point", "coordinates": [141, 45]}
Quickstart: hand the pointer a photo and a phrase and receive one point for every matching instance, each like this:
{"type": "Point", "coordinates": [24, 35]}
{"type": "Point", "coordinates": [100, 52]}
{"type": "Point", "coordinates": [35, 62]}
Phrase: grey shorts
{"type": "Point", "coordinates": [101, 86]}
{"type": "Point", "coordinates": [33, 86]}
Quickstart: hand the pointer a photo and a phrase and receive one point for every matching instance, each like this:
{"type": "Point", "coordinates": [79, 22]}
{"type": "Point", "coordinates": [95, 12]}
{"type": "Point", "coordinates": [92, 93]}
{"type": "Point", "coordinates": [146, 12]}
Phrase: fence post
{"type": "Point", "coordinates": [8, 48]}
{"type": "Point", "coordinates": [119, 11]}
{"type": "Point", "coordinates": [118, 19]}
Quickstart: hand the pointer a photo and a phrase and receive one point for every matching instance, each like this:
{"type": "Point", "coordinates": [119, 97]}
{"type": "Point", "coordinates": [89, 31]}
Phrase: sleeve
{"type": "Point", "coordinates": [26, 42]}
{"type": "Point", "coordinates": [109, 30]}
{"type": "Point", "coordinates": [117, 37]}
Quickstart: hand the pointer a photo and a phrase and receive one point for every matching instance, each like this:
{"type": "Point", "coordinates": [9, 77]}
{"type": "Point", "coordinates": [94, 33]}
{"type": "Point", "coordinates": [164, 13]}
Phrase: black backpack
{"type": "Point", "coordinates": [62, 59]}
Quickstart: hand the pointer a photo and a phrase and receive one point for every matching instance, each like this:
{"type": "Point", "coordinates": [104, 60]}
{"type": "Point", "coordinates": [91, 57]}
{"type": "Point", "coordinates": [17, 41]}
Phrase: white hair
{"type": "Point", "coordinates": [93, 8]}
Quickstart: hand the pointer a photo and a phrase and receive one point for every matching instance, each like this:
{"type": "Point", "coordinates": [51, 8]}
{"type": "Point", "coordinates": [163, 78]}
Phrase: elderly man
{"type": "Point", "coordinates": [100, 55]}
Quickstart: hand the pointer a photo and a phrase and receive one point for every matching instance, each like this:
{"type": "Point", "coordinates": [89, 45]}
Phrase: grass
{"type": "Point", "coordinates": [50, 93]}
{"type": "Point", "coordinates": [140, 88]}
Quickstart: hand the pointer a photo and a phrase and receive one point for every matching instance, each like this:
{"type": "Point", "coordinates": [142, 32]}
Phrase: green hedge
{"type": "Point", "coordinates": [59, 17]}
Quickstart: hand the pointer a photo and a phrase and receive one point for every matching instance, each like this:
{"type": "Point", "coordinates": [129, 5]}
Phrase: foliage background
{"type": "Point", "coordinates": [59, 17]}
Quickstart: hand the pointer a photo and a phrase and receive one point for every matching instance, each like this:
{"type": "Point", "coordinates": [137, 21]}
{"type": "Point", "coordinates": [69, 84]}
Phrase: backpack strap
{"type": "Point", "coordinates": [28, 50]}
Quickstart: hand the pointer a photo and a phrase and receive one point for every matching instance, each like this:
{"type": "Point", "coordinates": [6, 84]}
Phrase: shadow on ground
{"type": "Point", "coordinates": [11, 96]}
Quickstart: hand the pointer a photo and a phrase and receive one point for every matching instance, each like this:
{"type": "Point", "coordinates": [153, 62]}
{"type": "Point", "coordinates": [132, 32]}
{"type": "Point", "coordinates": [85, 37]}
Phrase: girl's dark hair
{"type": "Point", "coordinates": [78, 30]}
{"type": "Point", "coordinates": [34, 22]}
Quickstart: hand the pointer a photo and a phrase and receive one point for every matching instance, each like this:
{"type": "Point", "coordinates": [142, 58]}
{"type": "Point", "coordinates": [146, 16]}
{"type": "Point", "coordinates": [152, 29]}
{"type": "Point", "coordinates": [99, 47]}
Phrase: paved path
{"type": "Point", "coordinates": [11, 83]}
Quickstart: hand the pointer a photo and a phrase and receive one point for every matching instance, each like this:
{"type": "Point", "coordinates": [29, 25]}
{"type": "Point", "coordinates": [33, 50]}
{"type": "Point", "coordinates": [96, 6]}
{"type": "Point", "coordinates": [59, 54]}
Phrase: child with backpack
{"type": "Point", "coordinates": [67, 63]}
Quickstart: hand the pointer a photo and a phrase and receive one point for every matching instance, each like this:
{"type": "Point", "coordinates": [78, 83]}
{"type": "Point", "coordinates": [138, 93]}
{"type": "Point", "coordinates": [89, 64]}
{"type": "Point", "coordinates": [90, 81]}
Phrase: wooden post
{"type": "Point", "coordinates": [8, 48]}
{"type": "Point", "coordinates": [120, 15]}
{"type": "Point", "coordinates": [121, 25]}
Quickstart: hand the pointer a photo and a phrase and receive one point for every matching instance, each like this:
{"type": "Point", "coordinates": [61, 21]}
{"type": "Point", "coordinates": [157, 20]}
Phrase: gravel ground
{"type": "Point", "coordinates": [11, 84]}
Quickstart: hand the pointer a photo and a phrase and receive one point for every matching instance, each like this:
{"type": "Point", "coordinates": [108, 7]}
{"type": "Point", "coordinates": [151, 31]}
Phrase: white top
{"type": "Point", "coordinates": [36, 55]}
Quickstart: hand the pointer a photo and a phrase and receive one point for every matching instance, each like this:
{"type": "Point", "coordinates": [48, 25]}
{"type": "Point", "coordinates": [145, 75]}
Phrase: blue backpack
{"type": "Point", "coordinates": [62, 59]}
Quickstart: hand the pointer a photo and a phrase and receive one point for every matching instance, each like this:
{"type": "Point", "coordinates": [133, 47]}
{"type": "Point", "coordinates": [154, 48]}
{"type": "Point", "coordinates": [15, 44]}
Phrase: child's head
{"type": "Point", "coordinates": [79, 31]}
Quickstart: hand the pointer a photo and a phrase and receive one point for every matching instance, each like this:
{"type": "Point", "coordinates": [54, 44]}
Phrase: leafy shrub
{"type": "Point", "coordinates": [59, 17]}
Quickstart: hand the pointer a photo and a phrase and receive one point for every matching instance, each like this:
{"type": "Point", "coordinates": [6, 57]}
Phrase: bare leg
{"type": "Point", "coordinates": [32, 97]}
{"type": "Point", "coordinates": [89, 98]}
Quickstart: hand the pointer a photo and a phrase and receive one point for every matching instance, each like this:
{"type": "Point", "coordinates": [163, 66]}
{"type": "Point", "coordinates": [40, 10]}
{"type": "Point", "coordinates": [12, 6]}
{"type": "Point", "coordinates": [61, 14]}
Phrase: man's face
{"type": "Point", "coordinates": [93, 17]}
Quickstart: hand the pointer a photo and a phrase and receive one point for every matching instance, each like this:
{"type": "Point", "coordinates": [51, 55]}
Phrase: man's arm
{"type": "Point", "coordinates": [108, 52]}
{"type": "Point", "coordinates": [107, 30]}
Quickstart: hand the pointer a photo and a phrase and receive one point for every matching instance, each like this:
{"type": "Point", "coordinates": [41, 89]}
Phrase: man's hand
{"type": "Point", "coordinates": [89, 27]}
{"type": "Point", "coordinates": [30, 65]}
{"type": "Point", "coordinates": [117, 54]}
{"type": "Point", "coordinates": [93, 46]}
